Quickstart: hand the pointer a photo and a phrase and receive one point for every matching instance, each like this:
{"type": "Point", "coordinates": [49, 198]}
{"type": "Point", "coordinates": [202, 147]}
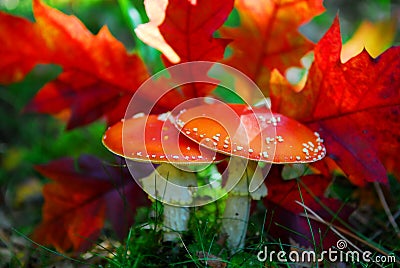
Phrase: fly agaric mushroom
{"type": "Point", "coordinates": [249, 135]}
{"type": "Point", "coordinates": [154, 138]}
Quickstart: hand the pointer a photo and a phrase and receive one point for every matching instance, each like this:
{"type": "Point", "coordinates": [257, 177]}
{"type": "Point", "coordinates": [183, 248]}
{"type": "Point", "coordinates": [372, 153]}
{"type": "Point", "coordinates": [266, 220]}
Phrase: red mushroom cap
{"type": "Point", "coordinates": [154, 138]}
{"type": "Point", "coordinates": [250, 132]}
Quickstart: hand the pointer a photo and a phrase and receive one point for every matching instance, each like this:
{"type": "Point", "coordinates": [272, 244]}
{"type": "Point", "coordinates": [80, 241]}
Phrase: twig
{"type": "Point", "coordinates": [386, 208]}
{"type": "Point", "coordinates": [336, 230]}
{"type": "Point", "coordinates": [328, 224]}
{"type": "Point", "coordinates": [379, 232]}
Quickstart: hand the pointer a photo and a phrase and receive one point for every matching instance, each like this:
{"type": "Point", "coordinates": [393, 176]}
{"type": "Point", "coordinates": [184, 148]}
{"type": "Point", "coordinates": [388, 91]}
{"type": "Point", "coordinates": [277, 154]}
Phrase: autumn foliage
{"type": "Point", "coordinates": [354, 105]}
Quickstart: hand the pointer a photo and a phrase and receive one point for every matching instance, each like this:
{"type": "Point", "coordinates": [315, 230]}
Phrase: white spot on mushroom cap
{"type": "Point", "coordinates": [138, 115]}
{"type": "Point", "coordinates": [279, 138]}
{"type": "Point", "coordinates": [180, 123]}
{"type": "Point", "coordinates": [163, 117]}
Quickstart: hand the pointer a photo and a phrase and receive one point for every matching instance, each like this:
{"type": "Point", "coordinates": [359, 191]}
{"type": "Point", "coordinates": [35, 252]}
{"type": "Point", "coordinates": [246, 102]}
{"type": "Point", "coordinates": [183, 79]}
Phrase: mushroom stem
{"type": "Point", "coordinates": [237, 208]}
{"type": "Point", "coordinates": [175, 221]}
{"type": "Point", "coordinates": [171, 185]}
{"type": "Point", "coordinates": [235, 220]}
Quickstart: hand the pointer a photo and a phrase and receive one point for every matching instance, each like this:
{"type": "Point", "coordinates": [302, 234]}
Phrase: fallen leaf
{"type": "Point", "coordinates": [183, 31]}
{"type": "Point", "coordinates": [80, 197]}
{"type": "Point", "coordinates": [355, 106]}
{"type": "Point", "coordinates": [18, 56]}
{"type": "Point", "coordinates": [268, 36]}
{"type": "Point", "coordinates": [92, 64]}
{"type": "Point", "coordinates": [189, 29]}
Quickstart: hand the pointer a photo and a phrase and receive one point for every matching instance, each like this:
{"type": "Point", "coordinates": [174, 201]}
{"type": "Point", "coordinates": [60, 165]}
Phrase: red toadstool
{"type": "Point", "coordinates": [154, 138]}
{"type": "Point", "coordinates": [249, 135]}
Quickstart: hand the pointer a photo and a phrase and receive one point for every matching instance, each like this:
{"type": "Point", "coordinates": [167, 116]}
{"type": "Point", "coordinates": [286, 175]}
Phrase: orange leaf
{"type": "Point", "coordinates": [98, 71]}
{"type": "Point", "coordinates": [18, 56]}
{"type": "Point", "coordinates": [355, 107]}
{"type": "Point", "coordinates": [268, 36]}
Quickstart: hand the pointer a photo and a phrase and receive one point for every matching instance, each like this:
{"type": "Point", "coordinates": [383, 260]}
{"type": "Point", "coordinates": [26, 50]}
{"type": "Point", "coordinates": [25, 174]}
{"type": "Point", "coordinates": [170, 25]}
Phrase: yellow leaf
{"type": "Point", "coordinates": [374, 37]}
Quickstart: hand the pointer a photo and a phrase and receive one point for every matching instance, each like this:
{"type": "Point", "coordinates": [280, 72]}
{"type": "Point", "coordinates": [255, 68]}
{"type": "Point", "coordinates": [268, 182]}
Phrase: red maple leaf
{"type": "Point", "coordinates": [355, 106]}
{"type": "Point", "coordinates": [80, 198]}
{"type": "Point", "coordinates": [93, 65]}
{"type": "Point", "coordinates": [188, 28]}
{"type": "Point", "coordinates": [18, 56]}
{"type": "Point", "coordinates": [268, 36]}
{"type": "Point", "coordinates": [185, 33]}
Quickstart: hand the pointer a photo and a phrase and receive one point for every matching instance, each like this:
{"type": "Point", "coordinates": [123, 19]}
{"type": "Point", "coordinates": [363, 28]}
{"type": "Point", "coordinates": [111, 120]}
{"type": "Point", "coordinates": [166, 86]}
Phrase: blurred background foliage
{"type": "Point", "coordinates": [29, 139]}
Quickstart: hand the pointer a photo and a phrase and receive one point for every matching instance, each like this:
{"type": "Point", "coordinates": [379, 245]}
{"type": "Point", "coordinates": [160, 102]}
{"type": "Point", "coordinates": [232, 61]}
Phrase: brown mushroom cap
{"type": "Point", "coordinates": [250, 132]}
{"type": "Point", "coordinates": [154, 138]}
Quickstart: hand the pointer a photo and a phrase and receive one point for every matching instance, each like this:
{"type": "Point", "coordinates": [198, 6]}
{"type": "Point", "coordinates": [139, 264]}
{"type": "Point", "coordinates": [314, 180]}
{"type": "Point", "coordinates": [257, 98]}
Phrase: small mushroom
{"type": "Point", "coordinates": [249, 135]}
{"type": "Point", "coordinates": [154, 138]}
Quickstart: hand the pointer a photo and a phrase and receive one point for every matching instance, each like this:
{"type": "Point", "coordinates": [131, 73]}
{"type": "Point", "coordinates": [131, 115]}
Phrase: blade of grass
{"type": "Point", "coordinates": [47, 249]}
{"type": "Point", "coordinates": [187, 250]}
{"type": "Point", "coordinates": [308, 220]}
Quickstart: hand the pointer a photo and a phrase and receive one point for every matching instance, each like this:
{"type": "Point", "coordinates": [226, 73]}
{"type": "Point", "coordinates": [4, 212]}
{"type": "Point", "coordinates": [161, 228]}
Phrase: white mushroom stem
{"type": "Point", "coordinates": [171, 186]}
{"type": "Point", "coordinates": [237, 208]}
